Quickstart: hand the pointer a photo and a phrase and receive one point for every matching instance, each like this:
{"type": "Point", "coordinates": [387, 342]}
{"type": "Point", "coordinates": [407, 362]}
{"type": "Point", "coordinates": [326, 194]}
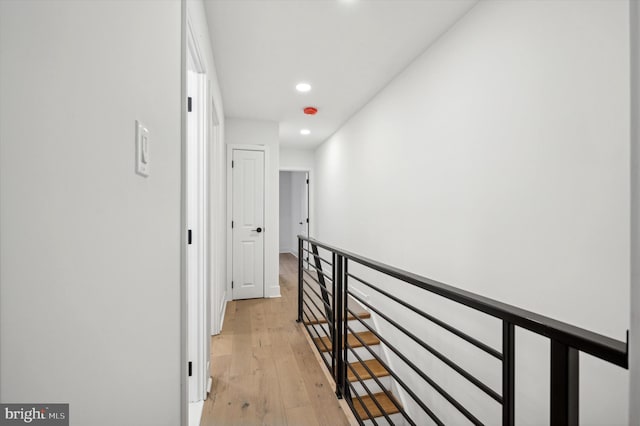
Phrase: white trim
{"type": "Point", "coordinates": [223, 310]}
{"type": "Point", "coordinates": [195, 413]}
{"type": "Point", "coordinates": [197, 196]}
{"type": "Point", "coordinates": [215, 221]}
{"type": "Point", "coordinates": [362, 294]}
{"type": "Point", "coordinates": [243, 147]}
{"type": "Point", "coordinates": [634, 332]}
{"type": "Point", "coordinates": [194, 49]}
{"type": "Point", "coordinates": [310, 202]}
{"type": "Point", "coordinates": [183, 367]}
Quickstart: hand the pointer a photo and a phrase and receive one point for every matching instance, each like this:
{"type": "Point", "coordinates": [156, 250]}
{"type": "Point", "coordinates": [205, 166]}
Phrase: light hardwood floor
{"type": "Point", "coordinates": [264, 371]}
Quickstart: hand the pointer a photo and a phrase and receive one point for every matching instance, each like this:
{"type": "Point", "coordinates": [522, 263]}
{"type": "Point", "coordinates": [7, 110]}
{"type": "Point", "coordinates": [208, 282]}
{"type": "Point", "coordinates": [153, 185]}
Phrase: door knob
{"type": "Point", "coordinates": [258, 230]}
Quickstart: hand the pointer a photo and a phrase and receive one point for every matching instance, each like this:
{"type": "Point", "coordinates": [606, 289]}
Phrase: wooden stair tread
{"type": "Point", "coordinates": [385, 402]}
{"type": "Point", "coordinates": [361, 315]}
{"type": "Point", "coordinates": [368, 337]}
{"type": "Point", "coordinates": [374, 365]}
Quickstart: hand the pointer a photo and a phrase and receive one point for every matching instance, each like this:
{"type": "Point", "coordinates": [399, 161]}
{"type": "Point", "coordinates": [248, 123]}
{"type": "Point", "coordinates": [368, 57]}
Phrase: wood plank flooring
{"type": "Point", "coordinates": [264, 371]}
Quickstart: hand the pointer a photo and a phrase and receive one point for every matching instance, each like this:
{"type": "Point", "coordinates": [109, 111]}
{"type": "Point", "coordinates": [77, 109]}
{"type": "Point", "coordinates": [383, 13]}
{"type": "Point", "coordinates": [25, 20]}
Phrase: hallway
{"type": "Point", "coordinates": [471, 179]}
{"type": "Point", "coordinates": [264, 371]}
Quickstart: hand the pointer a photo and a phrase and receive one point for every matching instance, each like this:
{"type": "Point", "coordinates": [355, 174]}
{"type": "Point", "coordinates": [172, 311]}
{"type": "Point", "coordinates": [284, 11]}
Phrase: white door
{"type": "Point", "coordinates": [248, 224]}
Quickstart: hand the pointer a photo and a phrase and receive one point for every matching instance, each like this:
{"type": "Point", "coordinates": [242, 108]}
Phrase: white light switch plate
{"type": "Point", "coordinates": [142, 149]}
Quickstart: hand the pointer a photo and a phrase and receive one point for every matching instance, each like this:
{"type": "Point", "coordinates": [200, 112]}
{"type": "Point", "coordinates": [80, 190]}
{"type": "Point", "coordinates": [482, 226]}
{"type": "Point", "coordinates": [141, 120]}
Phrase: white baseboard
{"type": "Point", "coordinates": [223, 311]}
{"type": "Point", "coordinates": [273, 291]}
{"type": "Point", "coordinates": [195, 413]}
{"type": "Point", "coordinates": [360, 293]}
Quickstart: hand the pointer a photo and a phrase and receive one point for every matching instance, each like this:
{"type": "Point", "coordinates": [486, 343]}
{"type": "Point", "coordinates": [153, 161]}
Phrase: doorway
{"type": "Point", "coordinates": [294, 209]}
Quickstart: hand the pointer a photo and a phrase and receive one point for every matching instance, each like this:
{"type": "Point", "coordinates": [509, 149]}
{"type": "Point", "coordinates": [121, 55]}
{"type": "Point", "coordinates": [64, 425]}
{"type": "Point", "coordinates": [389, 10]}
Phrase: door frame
{"type": "Point", "coordinates": [197, 295]}
{"type": "Point", "coordinates": [217, 300]}
{"type": "Point", "coordinates": [310, 204]}
{"type": "Point", "coordinates": [230, 149]}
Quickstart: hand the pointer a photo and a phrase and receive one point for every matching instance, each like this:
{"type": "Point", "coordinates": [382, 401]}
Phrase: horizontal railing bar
{"type": "Point", "coordinates": [375, 378]}
{"type": "Point", "coordinates": [317, 270]}
{"type": "Point", "coordinates": [322, 288]}
{"type": "Point", "coordinates": [316, 318]}
{"type": "Point", "coordinates": [317, 282]}
{"type": "Point", "coordinates": [603, 347]}
{"type": "Point", "coordinates": [446, 395]}
{"type": "Point", "coordinates": [395, 376]}
{"type": "Point", "coordinates": [366, 388]}
{"type": "Point", "coordinates": [304, 290]}
{"type": "Point", "coordinates": [363, 405]}
{"type": "Point", "coordinates": [326, 363]}
{"type": "Point", "coordinates": [314, 329]}
{"type": "Point", "coordinates": [316, 293]}
{"type": "Point", "coordinates": [482, 346]}
{"type": "Point", "coordinates": [464, 373]}
{"type": "Point", "coordinates": [318, 256]}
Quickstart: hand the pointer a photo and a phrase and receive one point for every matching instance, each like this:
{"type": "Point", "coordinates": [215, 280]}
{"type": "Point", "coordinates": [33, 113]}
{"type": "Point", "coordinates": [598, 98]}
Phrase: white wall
{"type": "Point", "coordinates": [285, 212]}
{"type": "Point", "coordinates": [217, 160]}
{"type": "Point", "coordinates": [499, 162]}
{"type": "Point", "coordinates": [90, 251]}
{"type": "Point", "coordinates": [257, 132]}
{"type": "Point", "coordinates": [634, 339]}
{"type": "Point", "coordinates": [296, 159]}
{"type": "Point", "coordinates": [302, 160]}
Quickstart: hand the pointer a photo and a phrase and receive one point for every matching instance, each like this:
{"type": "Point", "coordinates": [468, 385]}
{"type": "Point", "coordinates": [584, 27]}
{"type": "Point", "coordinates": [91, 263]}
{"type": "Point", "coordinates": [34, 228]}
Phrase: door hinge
{"type": "Point", "coordinates": [189, 239]}
{"type": "Point", "coordinates": [190, 368]}
{"type": "Point", "coordinates": [307, 220]}
{"type": "Point", "coordinates": [231, 224]}
{"type": "Point", "coordinates": [232, 163]}
{"type": "Point", "coordinates": [189, 104]}
{"type": "Point", "coordinates": [307, 181]}
{"type": "Point", "coordinates": [231, 284]}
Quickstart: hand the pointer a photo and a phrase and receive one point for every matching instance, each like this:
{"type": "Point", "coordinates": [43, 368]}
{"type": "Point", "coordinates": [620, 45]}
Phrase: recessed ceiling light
{"type": "Point", "coordinates": [303, 87]}
{"type": "Point", "coordinates": [305, 132]}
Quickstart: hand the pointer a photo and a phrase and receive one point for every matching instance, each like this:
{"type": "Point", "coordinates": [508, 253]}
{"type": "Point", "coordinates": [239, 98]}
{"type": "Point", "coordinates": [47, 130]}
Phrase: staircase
{"type": "Point", "coordinates": [369, 382]}
{"type": "Point", "coordinates": [360, 368]}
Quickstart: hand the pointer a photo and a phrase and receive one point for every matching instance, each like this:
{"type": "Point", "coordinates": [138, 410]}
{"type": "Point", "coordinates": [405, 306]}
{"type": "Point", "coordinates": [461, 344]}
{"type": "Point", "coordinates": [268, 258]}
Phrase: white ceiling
{"type": "Point", "coordinates": [346, 49]}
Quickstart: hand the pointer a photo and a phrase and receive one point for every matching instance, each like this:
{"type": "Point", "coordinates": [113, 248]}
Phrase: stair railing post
{"type": "Point", "coordinates": [332, 317]}
{"type": "Point", "coordinates": [300, 266]}
{"type": "Point", "coordinates": [564, 384]}
{"type": "Point", "coordinates": [508, 373]}
{"type": "Point", "coordinates": [338, 326]}
{"type": "Point", "coordinates": [345, 317]}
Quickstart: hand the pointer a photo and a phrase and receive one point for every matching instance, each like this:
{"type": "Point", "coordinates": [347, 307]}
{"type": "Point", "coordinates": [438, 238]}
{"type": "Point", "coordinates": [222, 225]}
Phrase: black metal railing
{"type": "Point", "coordinates": [327, 305]}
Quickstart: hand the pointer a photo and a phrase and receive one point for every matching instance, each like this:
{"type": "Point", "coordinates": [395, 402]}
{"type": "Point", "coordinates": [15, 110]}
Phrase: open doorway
{"type": "Point", "coordinates": [294, 209]}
